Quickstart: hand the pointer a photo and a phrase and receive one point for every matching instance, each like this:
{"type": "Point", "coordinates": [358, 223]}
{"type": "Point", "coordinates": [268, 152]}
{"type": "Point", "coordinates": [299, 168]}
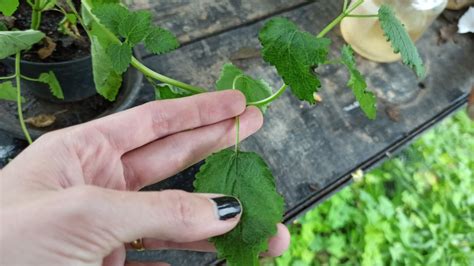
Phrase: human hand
{"type": "Point", "coordinates": [71, 197]}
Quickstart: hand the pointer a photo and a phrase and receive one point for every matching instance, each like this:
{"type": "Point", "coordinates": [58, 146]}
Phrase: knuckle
{"type": "Point", "coordinates": [160, 122]}
{"type": "Point", "coordinates": [183, 209]}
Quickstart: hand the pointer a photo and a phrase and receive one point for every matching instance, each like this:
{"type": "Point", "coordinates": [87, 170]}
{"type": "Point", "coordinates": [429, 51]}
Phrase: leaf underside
{"type": "Point", "coordinates": [12, 42]}
{"type": "Point", "coordinates": [244, 175]}
{"type": "Point", "coordinates": [366, 99]}
{"type": "Point", "coordinates": [400, 40]}
{"type": "Point", "coordinates": [295, 54]}
{"type": "Point", "coordinates": [254, 90]}
{"type": "Point", "coordinates": [166, 91]}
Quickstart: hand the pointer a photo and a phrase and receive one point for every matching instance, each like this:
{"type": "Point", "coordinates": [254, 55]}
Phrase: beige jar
{"type": "Point", "coordinates": [366, 37]}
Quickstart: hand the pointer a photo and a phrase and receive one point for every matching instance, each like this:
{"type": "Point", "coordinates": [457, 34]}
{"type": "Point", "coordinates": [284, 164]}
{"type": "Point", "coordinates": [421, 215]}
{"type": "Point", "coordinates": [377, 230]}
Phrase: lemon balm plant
{"type": "Point", "coordinates": [114, 30]}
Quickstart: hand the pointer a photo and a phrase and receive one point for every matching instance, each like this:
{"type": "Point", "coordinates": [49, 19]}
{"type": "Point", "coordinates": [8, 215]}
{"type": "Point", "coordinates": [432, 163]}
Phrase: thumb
{"type": "Point", "coordinates": [169, 215]}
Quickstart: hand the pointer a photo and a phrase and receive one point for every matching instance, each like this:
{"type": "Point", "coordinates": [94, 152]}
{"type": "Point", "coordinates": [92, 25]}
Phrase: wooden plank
{"type": "Point", "coordinates": [196, 19]}
{"type": "Point", "coordinates": [308, 147]}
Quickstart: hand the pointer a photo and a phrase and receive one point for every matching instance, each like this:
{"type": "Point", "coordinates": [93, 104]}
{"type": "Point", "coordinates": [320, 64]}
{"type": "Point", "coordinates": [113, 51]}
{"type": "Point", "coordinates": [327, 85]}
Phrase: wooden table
{"type": "Point", "coordinates": [312, 151]}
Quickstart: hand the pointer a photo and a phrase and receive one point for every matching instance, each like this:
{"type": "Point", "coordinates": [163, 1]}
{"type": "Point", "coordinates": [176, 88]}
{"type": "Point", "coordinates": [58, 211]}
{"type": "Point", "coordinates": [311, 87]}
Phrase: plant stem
{"type": "Point", "coordinates": [363, 16]}
{"type": "Point", "coordinates": [9, 77]}
{"type": "Point", "coordinates": [344, 7]}
{"type": "Point", "coordinates": [36, 16]}
{"type": "Point", "coordinates": [28, 78]}
{"type": "Point", "coordinates": [154, 75]}
{"type": "Point", "coordinates": [18, 98]}
{"type": "Point", "coordinates": [237, 119]}
{"type": "Point", "coordinates": [339, 18]}
{"type": "Point", "coordinates": [271, 98]}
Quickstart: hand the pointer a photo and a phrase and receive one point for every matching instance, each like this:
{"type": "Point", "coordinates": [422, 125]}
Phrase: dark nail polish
{"type": "Point", "coordinates": [227, 207]}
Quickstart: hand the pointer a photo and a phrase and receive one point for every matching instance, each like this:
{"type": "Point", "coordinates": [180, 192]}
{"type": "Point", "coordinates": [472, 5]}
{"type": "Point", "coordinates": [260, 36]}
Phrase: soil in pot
{"type": "Point", "coordinates": [67, 56]}
{"type": "Point", "coordinates": [66, 47]}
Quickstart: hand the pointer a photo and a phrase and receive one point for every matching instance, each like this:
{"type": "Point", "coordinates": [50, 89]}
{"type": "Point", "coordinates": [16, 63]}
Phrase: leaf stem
{"type": "Point", "coordinates": [271, 98]}
{"type": "Point", "coordinates": [363, 16]}
{"type": "Point", "coordinates": [344, 7]}
{"type": "Point", "coordinates": [30, 79]}
{"type": "Point", "coordinates": [18, 98]}
{"type": "Point", "coordinates": [237, 118]}
{"type": "Point", "coordinates": [36, 15]}
{"type": "Point", "coordinates": [154, 75]}
{"type": "Point", "coordinates": [339, 18]}
{"type": "Point", "coordinates": [8, 77]}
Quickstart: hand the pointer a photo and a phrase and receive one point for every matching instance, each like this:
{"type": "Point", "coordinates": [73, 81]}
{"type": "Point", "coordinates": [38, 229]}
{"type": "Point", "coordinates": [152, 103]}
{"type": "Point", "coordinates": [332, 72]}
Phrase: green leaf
{"type": "Point", "coordinates": [135, 27]}
{"type": "Point", "coordinates": [160, 41]}
{"type": "Point", "coordinates": [8, 92]}
{"type": "Point", "coordinates": [12, 42]}
{"type": "Point", "coordinates": [54, 86]}
{"type": "Point", "coordinates": [294, 53]}
{"type": "Point", "coordinates": [121, 56]}
{"type": "Point", "coordinates": [244, 175]}
{"type": "Point", "coordinates": [47, 4]}
{"type": "Point", "coordinates": [111, 15]}
{"type": "Point", "coordinates": [3, 27]}
{"type": "Point", "coordinates": [8, 7]}
{"type": "Point", "coordinates": [366, 99]}
{"type": "Point", "coordinates": [254, 90]}
{"type": "Point", "coordinates": [106, 80]}
{"type": "Point", "coordinates": [166, 91]}
{"type": "Point", "coordinates": [400, 40]}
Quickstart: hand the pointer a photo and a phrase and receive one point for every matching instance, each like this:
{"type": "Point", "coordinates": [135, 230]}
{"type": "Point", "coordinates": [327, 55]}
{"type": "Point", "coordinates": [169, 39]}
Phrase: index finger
{"type": "Point", "coordinates": [138, 126]}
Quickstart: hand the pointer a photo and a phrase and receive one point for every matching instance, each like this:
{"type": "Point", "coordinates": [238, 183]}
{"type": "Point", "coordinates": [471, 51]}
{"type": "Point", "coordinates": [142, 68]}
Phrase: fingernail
{"type": "Point", "coordinates": [227, 207]}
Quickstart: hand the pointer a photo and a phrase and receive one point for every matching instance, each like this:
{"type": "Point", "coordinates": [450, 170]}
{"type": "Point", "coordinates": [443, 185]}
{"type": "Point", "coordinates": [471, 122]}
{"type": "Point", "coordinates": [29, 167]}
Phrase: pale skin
{"type": "Point", "coordinates": [72, 197]}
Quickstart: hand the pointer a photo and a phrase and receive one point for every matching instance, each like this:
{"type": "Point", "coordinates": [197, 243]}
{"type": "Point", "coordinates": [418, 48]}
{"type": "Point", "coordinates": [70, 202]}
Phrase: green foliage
{"type": "Point", "coordinates": [8, 92]}
{"type": "Point", "coordinates": [8, 7]}
{"type": "Point", "coordinates": [109, 22]}
{"type": "Point", "coordinates": [416, 209]}
{"type": "Point", "coordinates": [357, 83]}
{"type": "Point", "coordinates": [3, 27]}
{"type": "Point", "coordinates": [246, 176]}
{"type": "Point", "coordinates": [53, 83]}
{"type": "Point", "coordinates": [135, 27]}
{"type": "Point", "coordinates": [111, 15]}
{"type": "Point", "coordinates": [47, 4]}
{"type": "Point", "coordinates": [234, 78]}
{"type": "Point", "coordinates": [294, 53]}
{"type": "Point", "coordinates": [160, 41]}
{"type": "Point", "coordinates": [13, 42]}
{"type": "Point", "coordinates": [122, 56]}
{"type": "Point", "coordinates": [106, 79]}
{"type": "Point", "coordinates": [400, 40]}
{"type": "Point", "coordinates": [166, 91]}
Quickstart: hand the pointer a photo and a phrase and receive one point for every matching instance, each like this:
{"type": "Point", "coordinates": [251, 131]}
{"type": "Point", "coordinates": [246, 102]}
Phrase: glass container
{"type": "Point", "coordinates": [366, 36]}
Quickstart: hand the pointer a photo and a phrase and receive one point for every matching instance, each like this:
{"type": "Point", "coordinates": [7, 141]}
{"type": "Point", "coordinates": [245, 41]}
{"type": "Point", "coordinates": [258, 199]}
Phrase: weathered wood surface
{"type": "Point", "coordinates": [195, 19]}
{"type": "Point", "coordinates": [310, 149]}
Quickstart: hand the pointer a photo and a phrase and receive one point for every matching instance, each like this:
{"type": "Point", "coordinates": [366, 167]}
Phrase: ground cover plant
{"type": "Point", "coordinates": [416, 209]}
{"type": "Point", "coordinates": [114, 31]}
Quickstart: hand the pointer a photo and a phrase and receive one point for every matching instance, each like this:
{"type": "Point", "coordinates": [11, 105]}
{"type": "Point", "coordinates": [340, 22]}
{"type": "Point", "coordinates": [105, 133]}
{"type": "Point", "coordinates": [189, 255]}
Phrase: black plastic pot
{"type": "Point", "coordinates": [75, 77]}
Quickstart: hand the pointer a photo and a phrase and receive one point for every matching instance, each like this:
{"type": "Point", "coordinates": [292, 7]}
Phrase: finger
{"type": "Point", "coordinates": [168, 156]}
{"type": "Point", "coordinates": [143, 124]}
{"type": "Point", "coordinates": [278, 244]}
{"type": "Point", "coordinates": [201, 246]}
{"type": "Point", "coordinates": [113, 217]}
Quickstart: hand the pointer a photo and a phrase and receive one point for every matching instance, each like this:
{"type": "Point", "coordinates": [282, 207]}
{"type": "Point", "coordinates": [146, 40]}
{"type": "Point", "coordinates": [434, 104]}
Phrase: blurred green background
{"type": "Point", "coordinates": [415, 209]}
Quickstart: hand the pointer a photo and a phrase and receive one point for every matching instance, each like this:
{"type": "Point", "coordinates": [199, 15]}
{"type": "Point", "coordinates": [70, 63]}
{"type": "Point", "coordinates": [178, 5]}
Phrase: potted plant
{"type": "Point", "coordinates": [113, 31]}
